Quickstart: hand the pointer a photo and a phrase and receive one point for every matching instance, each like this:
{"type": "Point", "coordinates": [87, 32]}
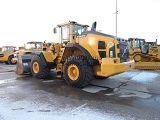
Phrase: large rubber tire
{"type": "Point", "coordinates": [10, 62]}
{"type": "Point", "coordinates": [43, 71]}
{"type": "Point", "coordinates": [85, 75]}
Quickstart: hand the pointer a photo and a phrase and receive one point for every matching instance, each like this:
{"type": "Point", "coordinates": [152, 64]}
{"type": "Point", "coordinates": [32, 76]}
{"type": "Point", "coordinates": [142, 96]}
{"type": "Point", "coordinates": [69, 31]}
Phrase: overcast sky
{"type": "Point", "coordinates": [28, 20]}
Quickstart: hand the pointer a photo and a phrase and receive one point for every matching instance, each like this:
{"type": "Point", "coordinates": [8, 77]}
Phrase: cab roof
{"type": "Point", "coordinates": [71, 22]}
{"type": "Point", "coordinates": [34, 42]}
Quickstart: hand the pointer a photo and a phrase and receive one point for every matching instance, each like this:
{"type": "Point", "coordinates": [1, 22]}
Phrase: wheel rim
{"type": "Point", "coordinates": [73, 72]}
{"type": "Point", "coordinates": [35, 67]}
{"type": "Point", "coordinates": [137, 58]}
{"type": "Point", "coordinates": [13, 61]}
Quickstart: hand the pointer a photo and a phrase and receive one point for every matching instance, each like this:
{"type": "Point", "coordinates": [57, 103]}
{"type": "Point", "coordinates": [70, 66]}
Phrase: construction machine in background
{"type": "Point", "coordinates": [7, 54]}
{"type": "Point", "coordinates": [29, 47]}
{"type": "Point", "coordinates": [145, 54]}
{"type": "Point", "coordinates": [81, 55]}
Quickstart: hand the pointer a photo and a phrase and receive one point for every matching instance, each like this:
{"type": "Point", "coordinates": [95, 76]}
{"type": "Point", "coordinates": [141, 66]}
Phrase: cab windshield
{"type": "Point", "coordinates": [33, 45]}
{"type": "Point", "coordinates": [65, 31]}
{"type": "Point", "coordinates": [78, 29]}
{"type": "Point", "coordinates": [138, 43]}
{"type": "Point", "coordinates": [7, 49]}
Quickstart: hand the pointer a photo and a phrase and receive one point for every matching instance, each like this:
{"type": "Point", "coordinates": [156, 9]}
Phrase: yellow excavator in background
{"type": "Point", "coordinates": [7, 54]}
{"type": "Point", "coordinates": [85, 54]}
{"type": "Point", "coordinates": [145, 54]}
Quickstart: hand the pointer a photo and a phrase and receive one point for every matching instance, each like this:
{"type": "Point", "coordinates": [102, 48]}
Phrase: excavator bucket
{"type": "Point", "coordinates": [147, 65]}
{"type": "Point", "coordinates": [23, 64]}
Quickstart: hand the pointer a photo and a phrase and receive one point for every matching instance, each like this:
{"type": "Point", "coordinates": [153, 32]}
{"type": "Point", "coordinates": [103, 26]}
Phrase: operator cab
{"type": "Point", "coordinates": [138, 43]}
{"type": "Point", "coordinates": [69, 31]}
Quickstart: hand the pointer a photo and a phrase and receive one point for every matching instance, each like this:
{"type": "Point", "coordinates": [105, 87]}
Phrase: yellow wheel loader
{"type": "Point", "coordinates": [81, 55]}
{"type": "Point", "coordinates": [7, 55]}
{"type": "Point", "coordinates": [29, 47]}
{"type": "Point", "coordinates": [145, 54]}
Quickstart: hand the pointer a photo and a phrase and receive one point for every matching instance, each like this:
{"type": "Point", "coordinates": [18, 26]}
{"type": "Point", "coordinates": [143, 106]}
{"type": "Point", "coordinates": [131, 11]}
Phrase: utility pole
{"type": "Point", "coordinates": [116, 17]}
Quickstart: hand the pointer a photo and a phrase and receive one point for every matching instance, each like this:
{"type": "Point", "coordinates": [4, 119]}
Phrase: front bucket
{"type": "Point", "coordinates": [23, 64]}
{"type": "Point", "coordinates": [19, 66]}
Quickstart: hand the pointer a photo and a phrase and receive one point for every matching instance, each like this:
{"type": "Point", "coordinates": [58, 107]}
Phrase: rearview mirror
{"type": "Point", "coordinates": [54, 30]}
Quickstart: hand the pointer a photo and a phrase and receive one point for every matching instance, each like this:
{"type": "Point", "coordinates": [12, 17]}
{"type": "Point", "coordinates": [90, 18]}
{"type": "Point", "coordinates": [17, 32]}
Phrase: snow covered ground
{"type": "Point", "coordinates": [146, 77]}
{"type": "Point", "coordinates": [133, 83]}
{"type": "Point", "coordinates": [36, 110]}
